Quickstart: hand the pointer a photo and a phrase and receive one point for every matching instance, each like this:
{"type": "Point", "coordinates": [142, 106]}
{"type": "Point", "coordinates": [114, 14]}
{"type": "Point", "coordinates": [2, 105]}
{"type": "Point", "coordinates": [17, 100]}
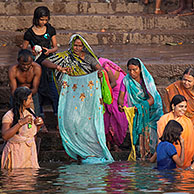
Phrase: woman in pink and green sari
{"type": "Point", "coordinates": [115, 121]}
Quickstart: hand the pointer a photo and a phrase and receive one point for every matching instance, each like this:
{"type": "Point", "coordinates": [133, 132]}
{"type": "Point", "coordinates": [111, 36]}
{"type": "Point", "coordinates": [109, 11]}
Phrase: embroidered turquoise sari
{"type": "Point", "coordinates": [146, 117]}
{"type": "Point", "coordinates": [80, 115]}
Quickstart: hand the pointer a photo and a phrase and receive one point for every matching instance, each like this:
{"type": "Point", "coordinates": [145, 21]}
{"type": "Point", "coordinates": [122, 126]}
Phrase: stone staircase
{"type": "Point", "coordinates": [118, 22]}
{"type": "Point", "coordinates": [117, 30]}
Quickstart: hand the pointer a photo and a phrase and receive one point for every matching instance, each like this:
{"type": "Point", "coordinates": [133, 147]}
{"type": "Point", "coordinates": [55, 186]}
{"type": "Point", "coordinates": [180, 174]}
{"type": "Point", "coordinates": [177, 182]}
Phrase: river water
{"type": "Point", "coordinates": [113, 178]}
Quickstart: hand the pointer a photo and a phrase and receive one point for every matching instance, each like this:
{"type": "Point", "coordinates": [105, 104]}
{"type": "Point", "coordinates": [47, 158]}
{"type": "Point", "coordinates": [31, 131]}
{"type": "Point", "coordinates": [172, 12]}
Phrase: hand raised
{"type": "Point", "coordinates": [38, 121]}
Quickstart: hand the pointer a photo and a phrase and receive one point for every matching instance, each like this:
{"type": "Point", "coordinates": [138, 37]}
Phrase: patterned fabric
{"type": "Point", "coordinates": [80, 118]}
{"type": "Point", "coordinates": [69, 59]}
{"type": "Point", "coordinates": [144, 124]}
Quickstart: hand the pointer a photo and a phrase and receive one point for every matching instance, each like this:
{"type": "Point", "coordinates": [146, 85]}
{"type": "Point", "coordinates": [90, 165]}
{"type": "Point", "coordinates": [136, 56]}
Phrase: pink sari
{"type": "Point", "coordinates": [116, 123]}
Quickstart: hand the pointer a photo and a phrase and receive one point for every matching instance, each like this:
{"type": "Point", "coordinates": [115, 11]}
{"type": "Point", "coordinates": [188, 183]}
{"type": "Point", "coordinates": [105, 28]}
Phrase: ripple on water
{"type": "Point", "coordinates": [117, 177]}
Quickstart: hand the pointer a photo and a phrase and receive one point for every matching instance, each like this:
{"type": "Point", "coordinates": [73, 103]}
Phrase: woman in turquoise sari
{"type": "Point", "coordinates": [142, 95]}
{"type": "Point", "coordinates": [80, 111]}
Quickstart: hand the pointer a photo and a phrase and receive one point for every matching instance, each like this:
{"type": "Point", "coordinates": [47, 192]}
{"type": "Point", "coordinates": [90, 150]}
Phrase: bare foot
{"type": "Point", "coordinates": [159, 12]}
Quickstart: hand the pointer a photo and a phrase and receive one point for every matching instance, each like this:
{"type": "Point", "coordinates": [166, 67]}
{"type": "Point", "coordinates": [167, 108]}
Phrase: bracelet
{"type": "Point", "coordinates": [19, 122]}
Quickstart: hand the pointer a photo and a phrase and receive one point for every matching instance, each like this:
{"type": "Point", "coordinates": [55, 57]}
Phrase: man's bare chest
{"type": "Point", "coordinates": [25, 77]}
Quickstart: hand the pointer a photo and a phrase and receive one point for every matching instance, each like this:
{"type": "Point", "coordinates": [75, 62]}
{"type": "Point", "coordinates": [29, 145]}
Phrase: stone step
{"type": "Point", "coordinates": [96, 22]}
{"type": "Point", "coordinates": [72, 7]}
{"type": "Point", "coordinates": [110, 37]}
{"type": "Point", "coordinates": [165, 63]}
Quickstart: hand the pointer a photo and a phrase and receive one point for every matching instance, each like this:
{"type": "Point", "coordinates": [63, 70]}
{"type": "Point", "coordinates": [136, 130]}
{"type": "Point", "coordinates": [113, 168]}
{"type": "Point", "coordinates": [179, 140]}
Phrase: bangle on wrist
{"type": "Point", "coordinates": [19, 122]}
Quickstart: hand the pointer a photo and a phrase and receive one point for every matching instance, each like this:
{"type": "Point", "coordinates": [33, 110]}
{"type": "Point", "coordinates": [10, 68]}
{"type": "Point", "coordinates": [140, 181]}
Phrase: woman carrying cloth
{"type": "Point", "coordinates": [80, 111]}
{"type": "Point", "coordinates": [183, 87]}
{"type": "Point", "coordinates": [142, 95]}
{"type": "Point", "coordinates": [178, 109]}
{"type": "Point", "coordinates": [79, 59]}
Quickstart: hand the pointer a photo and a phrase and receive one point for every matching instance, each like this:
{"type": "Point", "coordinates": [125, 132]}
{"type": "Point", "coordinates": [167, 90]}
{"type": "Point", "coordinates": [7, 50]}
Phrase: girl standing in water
{"type": "Point", "coordinates": [19, 126]}
{"type": "Point", "coordinates": [167, 157]}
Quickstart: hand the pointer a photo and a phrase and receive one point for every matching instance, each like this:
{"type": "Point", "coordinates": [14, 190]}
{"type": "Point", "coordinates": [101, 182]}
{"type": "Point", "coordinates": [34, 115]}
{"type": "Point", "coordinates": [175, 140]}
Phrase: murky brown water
{"type": "Point", "coordinates": [114, 178]}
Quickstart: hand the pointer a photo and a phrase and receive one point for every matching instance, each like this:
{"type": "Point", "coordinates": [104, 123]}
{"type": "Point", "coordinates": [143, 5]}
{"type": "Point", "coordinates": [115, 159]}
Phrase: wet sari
{"type": "Point", "coordinates": [80, 111]}
{"type": "Point", "coordinates": [116, 123]}
{"type": "Point", "coordinates": [80, 118]}
{"type": "Point", "coordinates": [146, 117]}
{"type": "Point", "coordinates": [20, 150]}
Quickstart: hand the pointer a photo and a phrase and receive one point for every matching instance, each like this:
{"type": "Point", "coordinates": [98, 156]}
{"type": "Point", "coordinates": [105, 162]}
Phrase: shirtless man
{"type": "Point", "coordinates": [25, 73]}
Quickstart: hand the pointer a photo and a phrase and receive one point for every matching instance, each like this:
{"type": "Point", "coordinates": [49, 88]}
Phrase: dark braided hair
{"type": "Point", "coordinates": [20, 94]}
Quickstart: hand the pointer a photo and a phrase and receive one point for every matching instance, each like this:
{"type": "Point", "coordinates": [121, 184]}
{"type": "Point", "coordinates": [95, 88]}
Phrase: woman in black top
{"type": "Point", "coordinates": [41, 33]}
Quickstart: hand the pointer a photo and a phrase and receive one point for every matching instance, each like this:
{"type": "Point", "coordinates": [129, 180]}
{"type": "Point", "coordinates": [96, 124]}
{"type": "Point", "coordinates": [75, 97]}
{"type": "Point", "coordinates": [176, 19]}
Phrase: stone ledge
{"type": "Point", "coordinates": [110, 37]}
{"type": "Point", "coordinates": [95, 22]}
{"type": "Point", "coordinates": [71, 7]}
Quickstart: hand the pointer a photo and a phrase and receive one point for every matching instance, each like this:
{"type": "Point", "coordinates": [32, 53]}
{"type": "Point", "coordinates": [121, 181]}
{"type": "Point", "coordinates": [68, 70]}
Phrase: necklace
{"type": "Point", "coordinates": [40, 30]}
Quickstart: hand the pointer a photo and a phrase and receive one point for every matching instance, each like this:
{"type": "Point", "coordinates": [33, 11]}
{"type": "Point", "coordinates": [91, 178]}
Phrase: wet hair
{"type": "Point", "coordinates": [135, 62]}
{"type": "Point", "coordinates": [172, 132]}
{"type": "Point", "coordinates": [24, 54]}
{"type": "Point", "coordinates": [189, 71]}
{"type": "Point", "coordinates": [177, 99]}
{"type": "Point", "coordinates": [20, 94]}
{"type": "Point", "coordinates": [40, 12]}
